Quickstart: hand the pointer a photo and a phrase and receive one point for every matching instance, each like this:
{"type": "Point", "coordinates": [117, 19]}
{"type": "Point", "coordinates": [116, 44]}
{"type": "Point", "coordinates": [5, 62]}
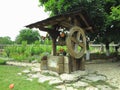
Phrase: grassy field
{"type": "Point", "coordinates": [8, 75]}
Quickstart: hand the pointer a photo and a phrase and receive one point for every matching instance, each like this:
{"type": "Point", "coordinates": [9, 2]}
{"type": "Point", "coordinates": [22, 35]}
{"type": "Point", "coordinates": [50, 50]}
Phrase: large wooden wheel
{"type": "Point", "coordinates": [76, 42]}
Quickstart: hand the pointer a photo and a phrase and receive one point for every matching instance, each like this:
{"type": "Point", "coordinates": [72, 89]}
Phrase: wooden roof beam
{"type": "Point", "coordinates": [86, 23]}
{"type": "Point", "coordinates": [66, 24]}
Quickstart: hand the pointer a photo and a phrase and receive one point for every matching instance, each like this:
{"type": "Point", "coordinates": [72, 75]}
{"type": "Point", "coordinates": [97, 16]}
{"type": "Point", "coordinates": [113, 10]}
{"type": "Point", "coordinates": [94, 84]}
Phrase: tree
{"type": "Point", "coordinates": [111, 33]}
{"type": "Point", "coordinates": [93, 8]}
{"type": "Point", "coordinates": [113, 25]}
{"type": "Point", "coordinates": [98, 12]}
{"type": "Point", "coordinates": [28, 35]}
{"type": "Point", "coordinates": [5, 40]}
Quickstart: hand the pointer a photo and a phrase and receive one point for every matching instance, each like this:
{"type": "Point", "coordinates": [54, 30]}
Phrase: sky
{"type": "Point", "coordinates": [15, 14]}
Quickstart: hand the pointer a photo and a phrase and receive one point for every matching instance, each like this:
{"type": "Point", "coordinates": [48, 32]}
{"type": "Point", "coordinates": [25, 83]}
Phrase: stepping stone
{"type": "Point", "coordinates": [30, 79]}
{"type": "Point", "coordinates": [63, 87]}
{"type": "Point", "coordinates": [19, 73]}
{"type": "Point", "coordinates": [91, 88]}
{"type": "Point", "coordinates": [37, 75]}
{"type": "Point", "coordinates": [68, 77]}
{"type": "Point", "coordinates": [50, 73]}
{"type": "Point", "coordinates": [80, 84]}
{"type": "Point", "coordinates": [26, 71]}
{"type": "Point", "coordinates": [33, 69]}
{"type": "Point", "coordinates": [80, 73]}
{"type": "Point", "coordinates": [43, 78]}
{"type": "Point", "coordinates": [104, 87]}
{"type": "Point", "coordinates": [95, 77]}
{"type": "Point", "coordinates": [29, 75]}
{"type": "Point", "coordinates": [55, 82]}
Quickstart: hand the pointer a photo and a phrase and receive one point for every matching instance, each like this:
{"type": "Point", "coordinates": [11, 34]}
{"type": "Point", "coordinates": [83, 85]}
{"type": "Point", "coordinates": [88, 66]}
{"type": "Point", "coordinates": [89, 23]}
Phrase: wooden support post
{"type": "Point", "coordinates": [82, 64]}
{"type": "Point", "coordinates": [76, 64]}
{"type": "Point", "coordinates": [54, 34]}
{"type": "Point", "coordinates": [54, 46]}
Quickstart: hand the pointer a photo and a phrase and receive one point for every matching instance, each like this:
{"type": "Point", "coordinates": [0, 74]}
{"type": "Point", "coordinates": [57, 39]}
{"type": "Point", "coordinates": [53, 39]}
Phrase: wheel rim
{"type": "Point", "coordinates": [76, 42]}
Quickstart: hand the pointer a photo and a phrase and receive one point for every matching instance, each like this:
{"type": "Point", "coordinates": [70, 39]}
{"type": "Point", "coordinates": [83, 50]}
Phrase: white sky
{"type": "Point", "coordinates": [15, 14]}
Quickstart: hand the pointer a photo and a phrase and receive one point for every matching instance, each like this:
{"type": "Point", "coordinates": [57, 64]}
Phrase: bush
{"type": "Point", "coordinates": [26, 52]}
{"type": "Point", "coordinates": [2, 62]}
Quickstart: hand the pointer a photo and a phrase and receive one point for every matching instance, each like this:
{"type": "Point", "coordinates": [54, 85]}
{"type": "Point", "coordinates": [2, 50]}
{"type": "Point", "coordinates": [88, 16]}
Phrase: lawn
{"type": "Point", "coordinates": [8, 75]}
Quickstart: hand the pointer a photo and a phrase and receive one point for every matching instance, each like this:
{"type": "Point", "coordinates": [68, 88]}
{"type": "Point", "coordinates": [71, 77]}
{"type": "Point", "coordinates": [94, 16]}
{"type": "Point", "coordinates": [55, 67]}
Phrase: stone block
{"type": "Point", "coordinates": [44, 65]}
{"type": "Point", "coordinates": [66, 68]}
{"type": "Point", "coordinates": [66, 65]}
{"type": "Point", "coordinates": [56, 63]}
{"type": "Point", "coordinates": [66, 60]}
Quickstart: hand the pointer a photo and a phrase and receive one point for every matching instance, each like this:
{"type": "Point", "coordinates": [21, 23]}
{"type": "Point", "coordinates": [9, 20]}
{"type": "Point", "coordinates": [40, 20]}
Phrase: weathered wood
{"type": "Point", "coordinates": [54, 36]}
{"type": "Point", "coordinates": [76, 64]}
{"type": "Point", "coordinates": [76, 38]}
{"type": "Point", "coordinates": [86, 23]}
{"type": "Point", "coordinates": [82, 64]}
{"type": "Point", "coordinates": [82, 17]}
{"type": "Point", "coordinates": [76, 22]}
{"type": "Point", "coordinates": [66, 24]}
{"type": "Point", "coordinates": [54, 46]}
{"type": "Point", "coordinates": [68, 17]}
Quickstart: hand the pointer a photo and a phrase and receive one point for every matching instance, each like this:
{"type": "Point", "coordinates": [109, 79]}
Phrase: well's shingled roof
{"type": "Point", "coordinates": [66, 20]}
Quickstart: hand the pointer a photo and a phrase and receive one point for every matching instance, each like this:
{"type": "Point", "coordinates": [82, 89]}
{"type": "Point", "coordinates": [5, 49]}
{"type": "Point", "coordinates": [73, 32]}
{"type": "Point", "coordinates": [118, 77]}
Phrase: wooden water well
{"type": "Point", "coordinates": [75, 24]}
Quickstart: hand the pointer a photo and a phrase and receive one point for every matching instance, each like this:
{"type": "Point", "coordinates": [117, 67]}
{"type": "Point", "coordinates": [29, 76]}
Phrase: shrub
{"type": "Point", "coordinates": [2, 62]}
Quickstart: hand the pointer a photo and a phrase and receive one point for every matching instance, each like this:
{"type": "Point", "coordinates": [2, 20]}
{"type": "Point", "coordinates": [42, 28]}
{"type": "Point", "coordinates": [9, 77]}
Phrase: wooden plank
{"type": "Point", "coordinates": [86, 23]}
{"type": "Point", "coordinates": [82, 64]}
{"type": "Point", "coordinates": [66, 24]}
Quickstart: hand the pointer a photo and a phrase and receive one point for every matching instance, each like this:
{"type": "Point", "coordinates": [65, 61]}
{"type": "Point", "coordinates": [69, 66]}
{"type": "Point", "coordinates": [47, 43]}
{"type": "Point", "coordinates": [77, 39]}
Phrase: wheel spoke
{"type": "Point", "coordinates": [74, 40]}
{"type": "Point", "coordinates": [81, 44]}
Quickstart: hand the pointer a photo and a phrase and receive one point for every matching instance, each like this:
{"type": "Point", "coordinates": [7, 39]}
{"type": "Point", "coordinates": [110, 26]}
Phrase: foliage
{"type": "Point", "coordinates": [102, 14]}
{"type": "Point", "coordinates": [28, 35]}
{"type": "Point", "coordinates": [27, 52]}
{"type": "Point", "coordinates": [113, 25]}
{"type": "Point", "coordinates": [2, 62]}
{"type": "Point", "coordinates": [20, 82]}
{"type": "Point", "coordinates": [109, 4]}
{"type": "Point", "coordinates": [115, 13]}
{"type": "Point", "coordinates": [5, 40]}
{"type": "Point", "coordinates": [93, 8]}
{"type": "Point", "coordinates": [48, 42]}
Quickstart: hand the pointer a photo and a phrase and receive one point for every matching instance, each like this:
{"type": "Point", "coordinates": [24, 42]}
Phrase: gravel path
{"type": "Point", "coordinates": [110, 69]}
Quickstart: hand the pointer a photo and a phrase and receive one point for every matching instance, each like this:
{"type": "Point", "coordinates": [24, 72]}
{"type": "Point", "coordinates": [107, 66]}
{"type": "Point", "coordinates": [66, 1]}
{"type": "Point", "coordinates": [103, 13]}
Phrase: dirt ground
{"type": "Point", "coordinates": [110, 69]}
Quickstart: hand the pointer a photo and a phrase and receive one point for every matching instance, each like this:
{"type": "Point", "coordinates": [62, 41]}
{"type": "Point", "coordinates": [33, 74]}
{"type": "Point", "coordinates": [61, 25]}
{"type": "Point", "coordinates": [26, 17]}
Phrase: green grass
{"type": "Point", "coordinates": [8, 75]}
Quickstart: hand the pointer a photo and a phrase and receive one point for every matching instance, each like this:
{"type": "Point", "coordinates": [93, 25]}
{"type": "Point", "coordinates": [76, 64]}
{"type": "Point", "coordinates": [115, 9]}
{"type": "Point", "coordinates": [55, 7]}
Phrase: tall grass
{"type": "Point", "coordinates": [24, 51]}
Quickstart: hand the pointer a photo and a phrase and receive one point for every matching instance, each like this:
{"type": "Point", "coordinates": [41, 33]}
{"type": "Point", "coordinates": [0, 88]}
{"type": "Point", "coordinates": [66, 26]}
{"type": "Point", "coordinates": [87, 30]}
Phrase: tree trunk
{"type": "Point", "coordinates": [101, 48]}
{"type": "Point", "coordinates": [87, 51]}
{"type": "Point", "coordinates": [107, 48]}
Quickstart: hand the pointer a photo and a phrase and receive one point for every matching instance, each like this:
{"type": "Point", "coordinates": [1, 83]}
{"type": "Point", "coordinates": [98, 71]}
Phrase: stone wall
{"type": "Point", "coordinates": [62, 64]}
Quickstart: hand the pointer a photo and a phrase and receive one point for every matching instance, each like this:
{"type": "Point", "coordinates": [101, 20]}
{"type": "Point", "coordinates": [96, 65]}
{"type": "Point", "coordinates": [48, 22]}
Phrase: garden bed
{"type": "Point", "coordinates": [95, 56]}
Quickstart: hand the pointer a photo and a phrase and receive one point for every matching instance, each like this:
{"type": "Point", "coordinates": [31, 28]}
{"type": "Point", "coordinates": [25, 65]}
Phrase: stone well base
{"type": "Point", "coordinates": [62, 64]}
